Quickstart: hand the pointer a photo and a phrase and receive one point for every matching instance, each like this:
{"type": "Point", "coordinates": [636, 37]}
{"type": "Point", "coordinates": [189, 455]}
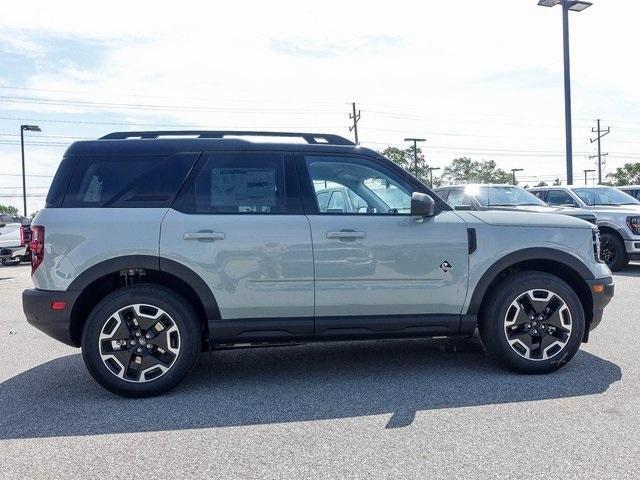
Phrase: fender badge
{"type": "Point", "coordinates": [445, 266]}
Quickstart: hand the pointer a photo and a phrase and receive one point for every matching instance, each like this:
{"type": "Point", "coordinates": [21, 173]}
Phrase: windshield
{"type": "Point", "coordinates": [604, 196]}
{"type": "Point", "coordinates": [504, 196]}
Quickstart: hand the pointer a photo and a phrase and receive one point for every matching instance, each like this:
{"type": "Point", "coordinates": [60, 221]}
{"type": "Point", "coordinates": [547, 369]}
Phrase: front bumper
{"type": "Point", "coordinates": [602, 290]}
{"type": "Point", "coordinates": [37, 307]}
{"type": "Point", "coordinates": [633, 249]}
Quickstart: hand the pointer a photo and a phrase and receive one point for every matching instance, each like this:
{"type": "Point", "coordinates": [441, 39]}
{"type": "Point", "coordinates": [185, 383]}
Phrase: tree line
{"type": "Point", "coordinates": [466, 170]}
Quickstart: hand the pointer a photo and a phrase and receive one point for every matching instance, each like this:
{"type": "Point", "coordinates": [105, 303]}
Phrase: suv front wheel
{"type": "Point", "coordinates": [533, 322]}
{"type": "Point", "coordinates": [141, 341]}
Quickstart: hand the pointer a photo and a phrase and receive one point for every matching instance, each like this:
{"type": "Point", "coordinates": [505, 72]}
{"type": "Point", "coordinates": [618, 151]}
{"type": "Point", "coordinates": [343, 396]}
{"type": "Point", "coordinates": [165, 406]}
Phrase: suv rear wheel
{"type": "Point", "coordinates": [533, 323]}
{"type": "Point", "coordinates": [141, 341]}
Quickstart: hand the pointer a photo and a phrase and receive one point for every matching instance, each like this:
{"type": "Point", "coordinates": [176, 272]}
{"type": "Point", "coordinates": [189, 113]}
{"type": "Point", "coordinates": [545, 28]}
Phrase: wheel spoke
{"type": "Point", "coordinates": [139, 343]}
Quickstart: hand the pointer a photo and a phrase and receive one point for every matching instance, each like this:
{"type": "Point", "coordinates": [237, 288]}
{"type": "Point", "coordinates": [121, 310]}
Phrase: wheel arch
{"type": "Point", "coordinates": [105, 277]}
{"type": "Point", "coordinates": [555, 262]}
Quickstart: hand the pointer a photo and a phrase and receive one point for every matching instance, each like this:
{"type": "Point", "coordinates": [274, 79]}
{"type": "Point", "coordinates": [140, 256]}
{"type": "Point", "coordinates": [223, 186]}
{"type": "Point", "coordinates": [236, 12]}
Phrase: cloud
{"type": "Point", "coordinates": [323, 48]}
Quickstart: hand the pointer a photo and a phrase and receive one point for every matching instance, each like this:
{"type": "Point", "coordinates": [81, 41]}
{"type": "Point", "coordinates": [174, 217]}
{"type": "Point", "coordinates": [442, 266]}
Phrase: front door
{"type": "Point", "coordinates": [377, 268]}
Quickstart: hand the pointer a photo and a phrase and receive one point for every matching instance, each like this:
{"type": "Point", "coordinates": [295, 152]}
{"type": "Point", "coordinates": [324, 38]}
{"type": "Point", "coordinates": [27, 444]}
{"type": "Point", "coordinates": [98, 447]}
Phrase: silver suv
{"type": "Point", "coordinates": [153, 248]}
{"type": "Point", "coordinates": [618, 217]}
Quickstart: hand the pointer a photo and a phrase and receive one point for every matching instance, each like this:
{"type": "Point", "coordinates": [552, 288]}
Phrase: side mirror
{"type": "Point", "coordinates": [422, 205]}
{"type": "Point", "coordinates": [2, 224]}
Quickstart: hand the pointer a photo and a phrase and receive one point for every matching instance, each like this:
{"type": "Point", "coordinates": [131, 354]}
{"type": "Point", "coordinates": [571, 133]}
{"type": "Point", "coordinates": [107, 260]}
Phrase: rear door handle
{"type": "Point", "coordinates": [345, 235]}
{"type": "Point", "coordinates": [204, 236]}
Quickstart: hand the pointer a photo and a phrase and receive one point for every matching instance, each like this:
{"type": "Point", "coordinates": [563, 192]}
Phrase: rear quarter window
{"type": "Point", "coordinates": [143, 181]}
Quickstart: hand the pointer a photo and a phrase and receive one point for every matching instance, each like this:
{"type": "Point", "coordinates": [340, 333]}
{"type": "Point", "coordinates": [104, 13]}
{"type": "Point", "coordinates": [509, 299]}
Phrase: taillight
{"type": "Point", "coordinates": [36, 245]}
{"type": "Point", "coordinates": [23, 237]}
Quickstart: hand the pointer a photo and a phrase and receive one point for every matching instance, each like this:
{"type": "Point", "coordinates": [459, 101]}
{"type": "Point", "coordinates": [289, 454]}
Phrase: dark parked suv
{"type": "Point", "coordinates": [152, 249]}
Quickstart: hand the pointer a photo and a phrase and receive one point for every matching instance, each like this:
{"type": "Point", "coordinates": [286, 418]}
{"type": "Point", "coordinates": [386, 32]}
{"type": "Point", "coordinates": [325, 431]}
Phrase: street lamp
{"type": "Point", "coordinates": [513, 172]}
{"type": "Point", "coordinates": [574, 6]}
{"type": "Point", "coordinates": [415, 152]}
{"type": "Point", "coordinates": [23, 128]}
{"type": "Point", "coordinates": [431, 169]}
{"type": "Point", "coordinates": [585, 175]}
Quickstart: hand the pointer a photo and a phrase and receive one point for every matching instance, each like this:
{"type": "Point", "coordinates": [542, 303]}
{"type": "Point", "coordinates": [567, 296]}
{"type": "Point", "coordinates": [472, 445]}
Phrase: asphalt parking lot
{"type": "Point", "coordinates": [400, 409]}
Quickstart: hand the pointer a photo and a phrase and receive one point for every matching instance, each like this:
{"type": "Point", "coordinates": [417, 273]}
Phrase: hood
{"type": "Point", "coordinates": [514, 218]}
{"type": "Point", "coordinates": [622, 209]}
{"type": "Point", "coordinates": [573, 212]}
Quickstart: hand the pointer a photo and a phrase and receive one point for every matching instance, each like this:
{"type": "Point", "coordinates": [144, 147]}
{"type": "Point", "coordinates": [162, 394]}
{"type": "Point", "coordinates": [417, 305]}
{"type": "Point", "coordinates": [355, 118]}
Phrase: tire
{"type": "Point", "coordinates": [511, 335]}
{"type": "Point", "coordinates": [613, 251]}
{"type": "Point", "coordinates": [166, 335]}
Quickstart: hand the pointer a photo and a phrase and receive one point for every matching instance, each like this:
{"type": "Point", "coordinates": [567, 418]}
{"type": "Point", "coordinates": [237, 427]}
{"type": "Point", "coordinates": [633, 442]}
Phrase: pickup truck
{"type": "Point", "coordinates": [14, 238]}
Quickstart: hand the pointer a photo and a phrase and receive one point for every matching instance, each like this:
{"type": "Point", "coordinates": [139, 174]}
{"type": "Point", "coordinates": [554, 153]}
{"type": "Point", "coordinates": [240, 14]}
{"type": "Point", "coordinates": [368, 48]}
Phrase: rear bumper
{"type": "Point", "coordinates": [36, 305]}
{"type": "Point", "coordinates": [602, 290]}
{"type": "Point", "coordinates": [8, 253]}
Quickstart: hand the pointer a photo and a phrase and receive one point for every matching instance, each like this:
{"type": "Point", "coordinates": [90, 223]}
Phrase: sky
{"type": "Point", "coordinates": [478, 79]}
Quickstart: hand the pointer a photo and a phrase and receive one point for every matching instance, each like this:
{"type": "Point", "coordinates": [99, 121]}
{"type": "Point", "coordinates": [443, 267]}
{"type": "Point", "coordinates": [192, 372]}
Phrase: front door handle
{"type": "Point", "coordinates": [204, 236]}
{"type": "Point", "coordinates": [345, 235]}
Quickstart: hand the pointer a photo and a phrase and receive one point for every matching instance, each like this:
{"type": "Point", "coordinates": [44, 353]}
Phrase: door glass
{"type": "Point", "coordinates": [377, 190]}
{"type": "Point", "coordinates": [241, 183]}
{"type": "Point", "coordinates": [458, 197]}
{"type": "Point", "coordinates": [559, 197]}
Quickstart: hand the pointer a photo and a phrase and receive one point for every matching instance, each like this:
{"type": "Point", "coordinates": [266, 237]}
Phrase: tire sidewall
{"type": "Point", "coordinates": [620, 260]}
{"type": "Point", "coordinates": [492, 327]}
{"type": "Point", "coordinates": [176, 307]}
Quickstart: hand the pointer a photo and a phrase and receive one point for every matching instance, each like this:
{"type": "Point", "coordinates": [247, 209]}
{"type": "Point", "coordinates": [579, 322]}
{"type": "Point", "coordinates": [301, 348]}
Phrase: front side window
{"type": "Point", "coordinates": [241, 183]}
{"type": "Point", "coordinates": [560, 198]}
{"type": "Point", "coordinates": [372, 188]}
{"type": "Point", "coordinates": [458, 197]}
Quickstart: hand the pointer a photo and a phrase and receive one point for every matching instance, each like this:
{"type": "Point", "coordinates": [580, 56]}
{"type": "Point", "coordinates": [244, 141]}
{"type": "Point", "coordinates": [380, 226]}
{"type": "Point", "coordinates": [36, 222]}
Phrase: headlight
{"type": "Point", "coordinates": [634, 224]}
{"type": "Point", "coordinates": [596, 245]}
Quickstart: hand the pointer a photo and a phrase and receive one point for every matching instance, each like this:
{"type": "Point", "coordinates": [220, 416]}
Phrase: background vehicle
{"type": "Point", "coordinates": [633, 190]}
{"type": "Point", "coordinates": [618, 218]}
{"type": "Point", "coordinates": [503, 197]}
{"type": "Point", "coordinates": [14, 236]}
{"type": "Point", "coordinates": [150, 250]}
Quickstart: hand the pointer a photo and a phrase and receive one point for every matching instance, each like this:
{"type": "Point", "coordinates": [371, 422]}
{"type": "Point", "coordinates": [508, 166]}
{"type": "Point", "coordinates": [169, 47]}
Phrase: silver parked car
{"type": "Point", "coordinates": [618, 218]}
{"type": "Point", "coordinates": [503, 197]}
{"type": "Point", "coordinates": [151, 250]}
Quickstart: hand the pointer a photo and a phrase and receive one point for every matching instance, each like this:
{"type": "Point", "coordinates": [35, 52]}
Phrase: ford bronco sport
{"type": "Point", "coordinates": [153, 248]}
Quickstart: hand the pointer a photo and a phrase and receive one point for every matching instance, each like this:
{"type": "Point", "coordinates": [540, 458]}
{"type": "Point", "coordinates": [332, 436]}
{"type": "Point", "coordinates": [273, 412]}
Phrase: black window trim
{"type": "Point", "coordinates": [291, 182]}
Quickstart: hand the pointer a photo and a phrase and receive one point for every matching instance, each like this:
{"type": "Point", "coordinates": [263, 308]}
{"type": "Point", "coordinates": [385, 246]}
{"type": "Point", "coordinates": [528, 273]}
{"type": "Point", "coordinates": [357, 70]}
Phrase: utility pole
{"type": "Point", "coordinates": [356, 118]}
{"type": "Point", "coordinates": [431, 169]}
{"type": "Point", "coordinates": [585, 175]}
{"type": "Point", "coordinates": [513, 172]}
{"type": "Point", "coordinates": [415, 152]}
{"type": "Point", "coordinates": [601, 133]}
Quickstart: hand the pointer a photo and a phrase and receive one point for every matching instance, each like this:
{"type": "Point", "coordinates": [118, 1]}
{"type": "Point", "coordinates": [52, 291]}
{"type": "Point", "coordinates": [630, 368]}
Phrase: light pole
{"type": "Point", "coordinates": [431, 169]}
{"type": "Point", "coordinates": [513, 172]}
{"type": "Point", "coordinates": [585, 175]}
{"type": "Point", "coordinates": [574, 6]}
{"type": "Point", "coordinates": [29, 128]}
{"type": "Point", "coordinates": [415, 152]}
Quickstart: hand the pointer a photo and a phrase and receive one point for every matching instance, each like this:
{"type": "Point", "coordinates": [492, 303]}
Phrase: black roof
{"type": "Point", "coordinates": [168, 142]}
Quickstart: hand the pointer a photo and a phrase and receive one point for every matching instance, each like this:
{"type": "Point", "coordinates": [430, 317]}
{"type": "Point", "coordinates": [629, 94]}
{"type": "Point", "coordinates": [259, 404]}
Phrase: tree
{"type": "Point", "coordinates": [557, 182]}
{"type": "Point", "coordinates": [465, 170]}
{"type": "Point", "coordinates": [542, 184]}
{"type": "Point", "coordinates": [404, 158]}
{"type": "Point", "coordinates": [627, 175]}
{"type": "Point", "coordinates": [11, 210]}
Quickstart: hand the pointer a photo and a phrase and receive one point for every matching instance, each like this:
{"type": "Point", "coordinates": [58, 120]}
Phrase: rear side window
{"type": "Point", "coordinates": [143, 181]}
{"type": "Point", "coordinates": [560, 197]}
{"type": "Point", "coordinates": [241, 183]}
{"type": "Point", "coordinates": [60, 182]}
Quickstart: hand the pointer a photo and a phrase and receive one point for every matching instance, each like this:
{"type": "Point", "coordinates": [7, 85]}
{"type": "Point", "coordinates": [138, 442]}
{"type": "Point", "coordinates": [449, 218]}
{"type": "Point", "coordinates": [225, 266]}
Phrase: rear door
{"type": "Point", "coordinates": [238, 223]}
{"type": "Point", "coordinates": [381, 270]}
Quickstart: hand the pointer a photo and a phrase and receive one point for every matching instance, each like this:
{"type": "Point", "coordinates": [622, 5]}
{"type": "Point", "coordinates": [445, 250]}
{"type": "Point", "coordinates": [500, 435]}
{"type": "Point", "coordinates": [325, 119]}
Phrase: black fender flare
{"type": "Point", "coordinates": [150, 262]}
{"type": "Point", "coordinates": [518, 256]}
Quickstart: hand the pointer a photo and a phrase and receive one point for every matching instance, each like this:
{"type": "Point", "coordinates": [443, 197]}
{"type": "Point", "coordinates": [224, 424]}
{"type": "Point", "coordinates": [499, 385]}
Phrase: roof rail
{"type": "Point", "coordinates": [311, 138]}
